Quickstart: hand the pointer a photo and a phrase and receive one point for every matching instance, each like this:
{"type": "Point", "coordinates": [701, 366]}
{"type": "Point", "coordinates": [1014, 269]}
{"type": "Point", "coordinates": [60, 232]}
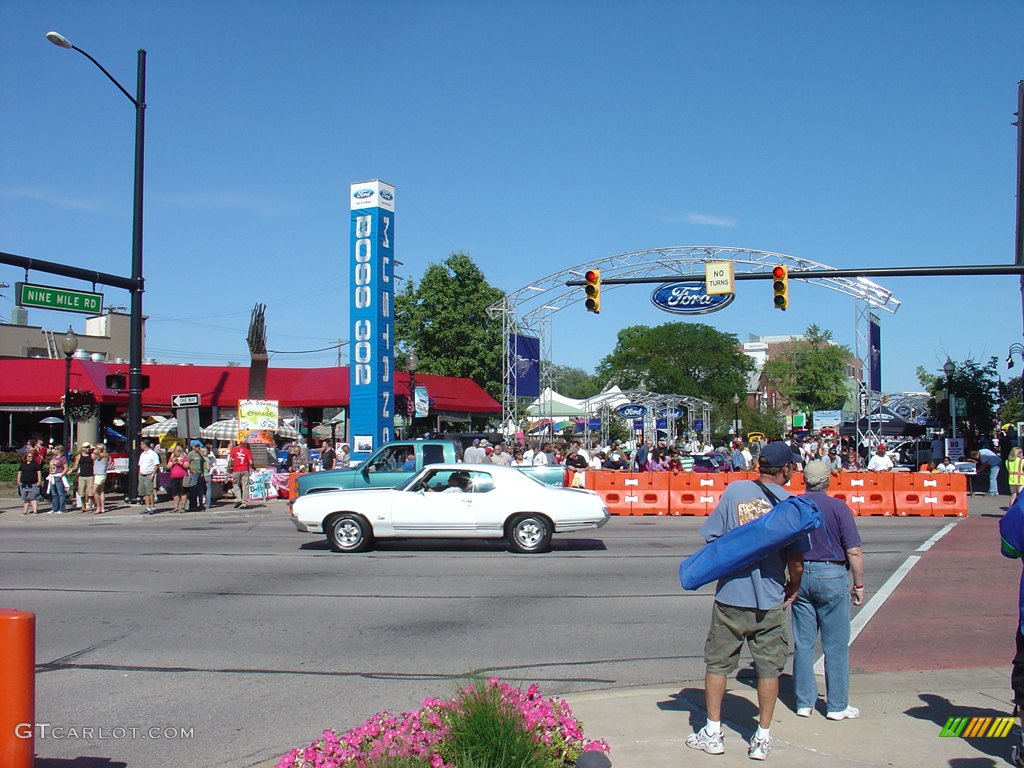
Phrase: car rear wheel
{"type": "Point", "coordinates": [529, 534]}
{"type": "Point", "coordinates": [349, 533]}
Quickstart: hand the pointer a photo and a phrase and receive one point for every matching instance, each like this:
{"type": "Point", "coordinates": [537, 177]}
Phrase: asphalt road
{"type": "Point", "coordinates": [253, 638]}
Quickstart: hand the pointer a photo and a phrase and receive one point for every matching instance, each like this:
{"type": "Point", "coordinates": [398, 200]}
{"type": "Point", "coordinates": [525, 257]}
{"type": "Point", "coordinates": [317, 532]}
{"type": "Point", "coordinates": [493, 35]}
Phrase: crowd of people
{"type": "Point", "coordinates": [46, 473]}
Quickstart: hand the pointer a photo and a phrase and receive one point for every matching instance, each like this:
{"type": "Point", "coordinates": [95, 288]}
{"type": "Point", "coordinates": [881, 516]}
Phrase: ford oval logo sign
{"type": "Point", "coordinates": [688, 299]}
{"type": "Point", "coordinates": [632, 410]}
{"type": "Point", "coordinates": [362, 194]}
{"type": "Point", "coordinates": [385, 195]}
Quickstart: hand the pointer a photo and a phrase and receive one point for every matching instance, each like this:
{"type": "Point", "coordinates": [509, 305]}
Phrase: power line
{"type": "Point", "coordinates": [339, 345]}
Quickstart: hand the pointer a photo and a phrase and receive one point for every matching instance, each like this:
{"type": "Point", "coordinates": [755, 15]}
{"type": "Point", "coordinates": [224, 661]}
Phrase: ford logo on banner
{"type": "Point", "coordinates": [362, 194]}
{"type": "Point", "coordinates": [688, 299]}
{"type": "Point", "coordinates": [385, 195]}
{"type": "Point", "coordinates": [632, 410]}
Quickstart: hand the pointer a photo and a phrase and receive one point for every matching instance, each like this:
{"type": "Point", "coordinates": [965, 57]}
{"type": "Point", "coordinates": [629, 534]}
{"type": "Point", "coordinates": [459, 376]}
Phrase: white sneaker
{"type": "Point", "coordinates": [804, 711]}
{"type": "Point", "coordinates": [849, 713]}
{"type": "Point", "coordinates": [712, 743]}
{"type": "Point", "coordinates": [759, 748]}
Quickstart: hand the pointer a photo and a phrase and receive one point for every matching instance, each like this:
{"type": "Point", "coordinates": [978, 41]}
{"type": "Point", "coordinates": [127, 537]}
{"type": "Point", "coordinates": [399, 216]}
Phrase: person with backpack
{"type": "Point", "coordinates": [823, 603]}
{"type": "Point", "coordinates": [750, 603]}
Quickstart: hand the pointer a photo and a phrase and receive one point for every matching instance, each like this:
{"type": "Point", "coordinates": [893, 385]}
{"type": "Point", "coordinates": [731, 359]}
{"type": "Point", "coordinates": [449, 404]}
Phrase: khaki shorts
{"type": "Point", "coordinates": [146, 486]}
{"type": "Point", "coordinates": [85, 489]}
{"type": "Point", "coordinates": [763, 631]}
{"type": "Point", "coordinates": [98, 481]}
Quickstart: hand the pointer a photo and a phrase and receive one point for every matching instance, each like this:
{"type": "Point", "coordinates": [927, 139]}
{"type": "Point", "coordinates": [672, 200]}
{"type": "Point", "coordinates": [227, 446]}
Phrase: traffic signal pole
{"type": "Point", "coordinates": [1019, 249]}
{"type": "Point", "coordinates": [810, 274]}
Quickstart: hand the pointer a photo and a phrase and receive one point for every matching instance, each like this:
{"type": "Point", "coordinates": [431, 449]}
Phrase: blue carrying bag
{"type": "Point", "coordinates": [744, 545]}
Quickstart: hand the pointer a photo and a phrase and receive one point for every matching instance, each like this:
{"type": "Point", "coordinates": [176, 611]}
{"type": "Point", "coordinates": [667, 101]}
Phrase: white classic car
{"type": "Point", "coordinates": [476, 501]}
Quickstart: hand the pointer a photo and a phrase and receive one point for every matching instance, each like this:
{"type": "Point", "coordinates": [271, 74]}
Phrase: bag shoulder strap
{"type": "Point", "coordinates": [771, 496]}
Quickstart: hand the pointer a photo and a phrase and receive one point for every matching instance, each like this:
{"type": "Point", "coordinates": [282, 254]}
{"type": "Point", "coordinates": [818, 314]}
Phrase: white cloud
{"type": "Point", "coordinates": [227, 200]}
{"type": "Point", "coordinates": [93, 205]}
{"type": "Point", "coordinates": [703, 220]}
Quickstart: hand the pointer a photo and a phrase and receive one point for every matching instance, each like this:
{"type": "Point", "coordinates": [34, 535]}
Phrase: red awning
{"type": "Point", "coordinates": [34, 382]}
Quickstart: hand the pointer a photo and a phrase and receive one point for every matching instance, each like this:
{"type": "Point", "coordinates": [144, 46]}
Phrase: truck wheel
{"type": "Point", "coordinates": [529, 534]}
{"type": "Point", "coordinates": [349, 533]}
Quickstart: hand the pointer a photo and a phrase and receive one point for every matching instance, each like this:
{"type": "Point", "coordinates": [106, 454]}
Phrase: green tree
{"type": "Point", "coordinates": [811, 373]}
{"type": "Point", "coordinates": [977, 383]}
{"type": "Point", "coordinates": [444, 317]}
{"type": "Point", "coordinates": [679, 358]}
{"type": "Point", "coordinates": [1011, 399]}
{"type": "Point", "coordinates": [572, 382]}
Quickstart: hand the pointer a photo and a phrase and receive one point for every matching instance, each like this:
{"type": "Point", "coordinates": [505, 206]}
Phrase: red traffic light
{"type": "Point", "coordinates": [591, 276]}
{"type": "Point", "coordinates": [778, 272]}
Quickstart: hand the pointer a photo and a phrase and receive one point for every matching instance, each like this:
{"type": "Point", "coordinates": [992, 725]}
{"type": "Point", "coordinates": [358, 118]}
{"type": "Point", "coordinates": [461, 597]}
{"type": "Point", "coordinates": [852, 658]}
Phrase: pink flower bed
{"type": "Point", "coordinates": [422, 733]}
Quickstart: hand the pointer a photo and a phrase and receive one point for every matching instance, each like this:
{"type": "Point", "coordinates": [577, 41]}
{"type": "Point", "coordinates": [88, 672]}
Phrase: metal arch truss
{"type": "Point", "coordinates": [528, 310]}
{"type": "Point", "coordinates": [658, 404]}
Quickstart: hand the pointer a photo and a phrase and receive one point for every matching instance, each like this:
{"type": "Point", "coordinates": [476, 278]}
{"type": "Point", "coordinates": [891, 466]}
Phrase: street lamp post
{"type": "Point", "coordinates": [412, 362]}
{"type": "Point", "coordinates": [736, 414]}
{"type": "Point", "coordinates": [69, 344]}
{"type": "Point", "coordinates": [1015, 349]}
{"type": "Point", "coordinates": [949, 369]}
{"type": "Point", "coordinates": [138, 283]}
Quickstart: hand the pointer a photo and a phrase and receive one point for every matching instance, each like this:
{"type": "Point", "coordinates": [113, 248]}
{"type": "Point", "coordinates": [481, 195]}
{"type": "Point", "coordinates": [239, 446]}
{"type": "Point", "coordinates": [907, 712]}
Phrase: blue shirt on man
{"type": "Point", "coordinates": [761, 585]}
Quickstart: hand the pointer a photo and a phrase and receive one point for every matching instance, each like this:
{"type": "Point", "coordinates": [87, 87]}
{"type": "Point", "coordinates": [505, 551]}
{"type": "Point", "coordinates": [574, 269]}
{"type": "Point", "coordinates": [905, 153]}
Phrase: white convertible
{"type": "Point", "coordinates": [477, 501]}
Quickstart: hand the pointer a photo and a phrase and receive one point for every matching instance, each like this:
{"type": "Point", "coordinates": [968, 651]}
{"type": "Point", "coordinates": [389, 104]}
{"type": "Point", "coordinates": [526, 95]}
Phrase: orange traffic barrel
{"type": "Point", "coordinates": [18, 687]}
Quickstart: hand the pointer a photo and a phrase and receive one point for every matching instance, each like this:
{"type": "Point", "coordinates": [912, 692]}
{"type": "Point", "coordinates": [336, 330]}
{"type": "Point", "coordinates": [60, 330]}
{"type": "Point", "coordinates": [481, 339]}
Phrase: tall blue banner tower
{"type": "Point", "coordinates": [371, 317]}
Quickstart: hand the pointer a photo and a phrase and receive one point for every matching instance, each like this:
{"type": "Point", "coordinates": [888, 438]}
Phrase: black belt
{"type": "Point", "coordinates": [833, 562]}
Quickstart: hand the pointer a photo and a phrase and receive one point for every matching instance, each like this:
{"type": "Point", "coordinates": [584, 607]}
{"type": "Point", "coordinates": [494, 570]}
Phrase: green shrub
{"type": "Point", "coordinates": [8, 473]}
{"type": "Point", "coordinates": [486, 733]}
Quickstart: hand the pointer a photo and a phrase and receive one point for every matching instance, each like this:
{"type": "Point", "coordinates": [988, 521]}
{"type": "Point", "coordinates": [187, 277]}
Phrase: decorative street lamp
{"type": "Point", "coordinates": [1017, 349]}
{"type": "Point", "coordinates": [736, 413]}
{"type": "Point", "coordinates": [69, 344]}
{"type": "Point", "coordinates": [949, 369]}
{"type": "Point", "coordinates": [138, 284]}
{"type": "Point", "coordinates": [412, 362]}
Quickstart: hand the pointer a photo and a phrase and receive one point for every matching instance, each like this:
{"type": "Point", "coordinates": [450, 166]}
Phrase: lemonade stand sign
{"type": "Point", "coordinates": [257, 415]}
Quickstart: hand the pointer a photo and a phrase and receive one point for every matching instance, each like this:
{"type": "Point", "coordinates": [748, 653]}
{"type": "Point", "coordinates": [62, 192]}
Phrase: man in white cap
{"type": "Point", "coordinates": [823, 603]}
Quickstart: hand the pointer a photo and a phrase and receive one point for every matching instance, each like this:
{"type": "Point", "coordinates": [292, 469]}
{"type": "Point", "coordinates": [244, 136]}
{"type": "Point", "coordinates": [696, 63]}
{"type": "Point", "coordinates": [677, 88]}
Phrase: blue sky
{"type": "Point", "coordinates": [534, 136]}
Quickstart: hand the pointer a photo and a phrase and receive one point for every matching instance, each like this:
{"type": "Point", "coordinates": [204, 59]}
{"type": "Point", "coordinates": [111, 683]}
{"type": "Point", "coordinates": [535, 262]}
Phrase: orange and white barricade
{"type": "Point", "coordinates": [930, 494]}
{"type": "Point", "coordinates": [866, 493]}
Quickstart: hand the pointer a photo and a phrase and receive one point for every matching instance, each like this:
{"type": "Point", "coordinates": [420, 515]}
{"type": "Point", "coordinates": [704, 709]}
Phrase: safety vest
{"type": "Point", "coordinates": [1015, 468]}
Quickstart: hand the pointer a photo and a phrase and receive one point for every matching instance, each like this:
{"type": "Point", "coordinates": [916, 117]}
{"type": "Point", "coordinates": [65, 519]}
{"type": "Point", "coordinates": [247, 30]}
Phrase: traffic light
{"type": "Point", "coordinates": [593, 289]}
{"type": "Point", "coordinates": [780, 286]}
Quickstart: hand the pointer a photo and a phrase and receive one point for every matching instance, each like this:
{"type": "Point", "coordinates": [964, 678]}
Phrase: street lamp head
{"type": "Point", "coordinates": [412, 362]}
{"type": "Point", "coordinates": [69, 343]}
{"type": "Point", "coordinates": [735, 399]}
{"type": "Point", "coordinates": [949, 368]}
{"type": "Point", "coordinates": [58, 39]}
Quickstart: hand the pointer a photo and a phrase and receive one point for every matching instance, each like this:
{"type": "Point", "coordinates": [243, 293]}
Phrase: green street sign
{"type": "Point", "coordinates": [961, 406]}
{"type": "Point", "coordinates": [61, 299]}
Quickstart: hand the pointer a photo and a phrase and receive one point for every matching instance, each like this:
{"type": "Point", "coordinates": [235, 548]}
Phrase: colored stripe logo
{"type": "Point", "coordinates": [977, 727]}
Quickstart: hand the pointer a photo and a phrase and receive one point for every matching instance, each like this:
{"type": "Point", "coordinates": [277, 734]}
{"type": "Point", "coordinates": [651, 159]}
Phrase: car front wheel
{"type": "Point", "coordinates": [529, 534]}
{"type": "Point", "coordinates": [349, 533]}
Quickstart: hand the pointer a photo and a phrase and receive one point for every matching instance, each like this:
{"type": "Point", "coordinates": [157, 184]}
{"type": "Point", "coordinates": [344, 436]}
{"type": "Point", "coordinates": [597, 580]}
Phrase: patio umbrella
{"type": "Point", "coordinates": [227, 429]}
{"type": "Point", "coordinates": [50, 421]}
{"type": "Point", "coordinates": [165, 427]}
